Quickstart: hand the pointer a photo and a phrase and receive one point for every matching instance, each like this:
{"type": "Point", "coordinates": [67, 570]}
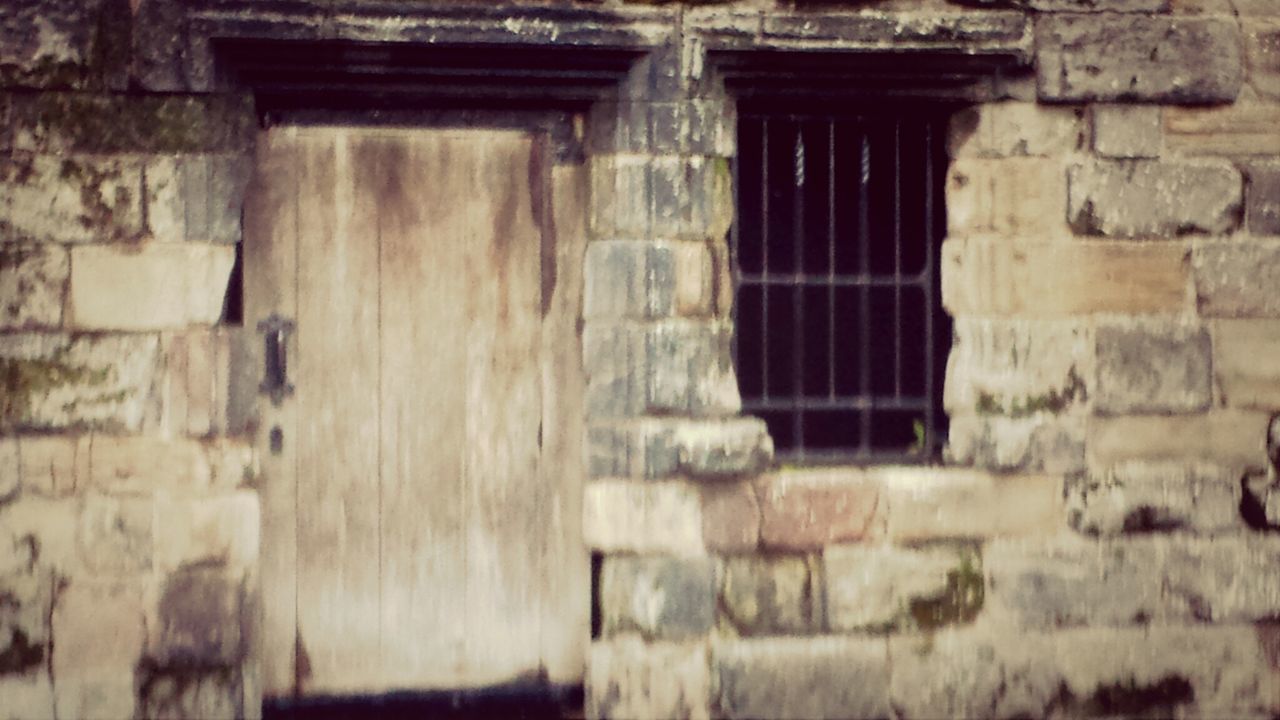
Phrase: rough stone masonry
{"type": "Point", "coordinates": [1098, 541]}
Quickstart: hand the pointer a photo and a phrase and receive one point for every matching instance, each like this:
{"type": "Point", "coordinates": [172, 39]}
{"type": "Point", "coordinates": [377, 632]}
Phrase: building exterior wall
{"type": "Point", "coordinates": [1096, 542]}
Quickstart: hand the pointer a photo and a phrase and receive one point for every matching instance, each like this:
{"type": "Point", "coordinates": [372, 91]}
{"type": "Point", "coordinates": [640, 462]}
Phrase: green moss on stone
{"type": "Point", "coordinates": [960, 602]}
{"type": "Point", "coordinates": [1054, 401]}
{"type": "Point", "coordinates": [25, 381]}
{"type": "Point", "coordinates": [146, 123]}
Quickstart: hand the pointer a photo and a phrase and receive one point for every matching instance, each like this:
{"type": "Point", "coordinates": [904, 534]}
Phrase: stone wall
{"type": "Point", "coordinates": [1097, 541]}
{"type": "Point", "coordinates": [128, 523]}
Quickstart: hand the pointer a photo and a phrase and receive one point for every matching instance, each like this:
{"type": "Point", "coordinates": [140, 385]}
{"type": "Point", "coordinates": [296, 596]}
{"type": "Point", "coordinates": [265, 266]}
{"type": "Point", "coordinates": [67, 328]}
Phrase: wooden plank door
{"type": "Point", "coordinates": [422, 483]}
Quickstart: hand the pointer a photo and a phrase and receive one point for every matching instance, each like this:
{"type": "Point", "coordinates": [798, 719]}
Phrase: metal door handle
{"type": "Point", "coordinates": [275, 382]}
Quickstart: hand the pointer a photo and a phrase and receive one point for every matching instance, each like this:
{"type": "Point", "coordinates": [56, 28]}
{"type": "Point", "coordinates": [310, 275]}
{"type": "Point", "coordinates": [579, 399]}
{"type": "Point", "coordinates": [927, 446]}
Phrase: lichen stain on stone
{"type": "Point", "coordinates": [1130, 698]}
{"type": "Point", "coordinates": [1053, 402]}
{"type": "Point", "coordinates": [960, 602]}
{"type": "Point", "coordinates": [25, 381]}
{"type": "Point", "coordinates": [20, 654]}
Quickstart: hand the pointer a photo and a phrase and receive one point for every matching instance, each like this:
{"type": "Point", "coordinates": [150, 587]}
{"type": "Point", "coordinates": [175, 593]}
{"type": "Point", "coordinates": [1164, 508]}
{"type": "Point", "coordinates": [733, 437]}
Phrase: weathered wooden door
{"type": "Point", "coordinates": [421, 483]}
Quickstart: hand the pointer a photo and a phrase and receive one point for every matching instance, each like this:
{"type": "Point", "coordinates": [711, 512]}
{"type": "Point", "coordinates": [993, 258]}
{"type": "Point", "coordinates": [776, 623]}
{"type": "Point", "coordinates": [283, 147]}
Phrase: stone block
{"type": "Point", "coordinates": [613, 357]}
{"type": "Point", "coordinates": [196, 387]}
{"type": "Point", "coordinates": [99, 635]}
{"type": "Point", "coordinates": [723, 448]}
{"type": "Point", "coordinates": [1127, 131]}
{"type": "Point", "coordinates": [628, 678]}
{"type": "Point", "coordinates": [639, 279]}
{"type": "Point", "coordinates": [1041, 442]}
{"type": "Point", "coordinates": [1008, 197]}
{"type": "Point", "coordinates": [1236, 279]}
{"type": "Point", "coordinates": [878, 588]}
{"type": "Point", "coordinates": [931, 503]}
{"type": "Point", "coordinates": [216, 531]}
{"type": "Point", "coordinates": [32, 281]}
{"type": "Point", "coordinates": [38, 533]}
{"type": "Point", "coordinates": [666, 197]}
{"type": "Point", "coordinates": [24, 618]}
{"type": "Point", "coordinates": [116, 536]}
{"type": "Point", "coordinates": [702, 126]}
{"type": "Point", "coordinates": [1018, 367]}
{"type": "Point", "coordinates": [122, 464]}
{"type": "Point", "coordinates": [1137, 57]}
{"type": "Point", "coordinates": [1041, 584]}
{"type": "Point", "coordinates": [46, 44]}
{"type": "Point", "coordinates": [1262, 47]}
{"type": "Point", "coordinates": [1224, 579]}
{"type": "Point", "coordinates": [819, 678]}
{"type": "Point", "coordinates": [1262, 198]}
{"type": "Point", "coordinates": [59, 381]}
{"type": "Point", "coordinates": [53, 465]}
{"type": "Point", "coordinates": [1152, 369]}
{"type": "Point", "coordinates": [196, 620]}
{"type": "Point", "coordinates": [730, 517]}
{"type": "Point", "coordinates": [70, 199]}
{"type": "Point", "coordinates": [151, 287]}
{"type": "Point", "coordinates": [1138, 6]}
{"type": "Point", "coordinates": [688, 369]}
{"type": "Point", "coordinates": [658, 597]}
{"type": "Point", "coordinates": [770, 595]}
{"type": "Point", "coordinates": [1233, 130]}
{"type": "Point", "coordinates": [27, 697]}
{"type": "Point", "coordinates": [1015, 129]}
{"type": "Point", "coordinates": [1000, 278]}
{"type": "Point", "coordinates": [808, 509]}
{"type": "Point", "coordinates": [654, 517]}
{"type": "Point", "coordinates": [643, 448]}
{"type": "Point", "coordinates": [1235, 438]}
{"type": "Point", "coordinates": [208, 695]}
{"type": "Point", "coordinates": [1153, 496]}
{"type": "Point", "coordinates": [1246, 362]}
{"type": "Point", "coordinates": [197, 197]}
{"type": "Point", "coordinates": [1150, 198]}
{"type": "Point", "coordinates": [57, 122]}
{"type": "Point", "coordinates": [10, 469]}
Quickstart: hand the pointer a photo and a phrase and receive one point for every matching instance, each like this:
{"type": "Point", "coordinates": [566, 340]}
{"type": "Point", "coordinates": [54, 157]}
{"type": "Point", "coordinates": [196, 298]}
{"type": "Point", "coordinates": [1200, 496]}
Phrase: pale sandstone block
{"type": "Point", "coordinates": [1152, 368]}
{"type": "Point", "coordinates": [99, 636]}
{"type": "Point", "coordinates": [54, 465]}
{"type": "Point", "coordinates": [1014, 129]}
{"type": "Point", "coordinates": [1150, 198]}
{"type": "Point", "coordinates": [878, 587]}
{"type": "Point", "coordinates": [1246, 362]}
{"type": "Point", "coordinates": [149, 287]}
{"type": "Point", "coordinates": [49, 524]}
{"type": "Point", "coordinates": [1040, 442]}
{"type": "Point", "coordinates": [1240, 129]}
{"type": "Point", "coordinates": [730, 517]}
{"type": "Point", "coordinates": [222, 531]}
{"type": "Point", "coordinates": [32, 280]}
{"type": "Point", "coordinates": [66, 199]}
{"type": "Point", "coordinates": [1016, 196]}
{"type": "Point", "coordinates": [1229, 437]}
{"type": "Point", "coordinates": [997, 277]}
{"type": "Point", "coordinates": [1017, 367]}
{"type": "Point", "coordinates": [142, 465]}
{"type": "Point", "coordinates": [1262, 47]}
{"type": "Point", "coordinates": [1237, 279]}
{"type": "Point", "coordinates": [115, 536]}
{"type": "Point", "coordinates": [628, 678]}
{"type": "Point", "coordinates": [1153, 496]}
{"type": "Point", "coordinates": [643, 516]}
{"type": "Point", "coordinates": [26, 697]}
{"type": "Point", "coordinates": [10, 469]}
{"type": "Point", "coordinates": [819, 678]}
{"type": "Point", "coordinates": [938, 503]}
{"type": "Point", "coordinates": [1127, 131]}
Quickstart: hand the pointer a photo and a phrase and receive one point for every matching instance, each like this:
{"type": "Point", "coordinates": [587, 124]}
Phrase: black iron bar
{"type": "Point", "coordinates": [864, 265]}
{"type": "Point", "coordinates": [798, 241]}
{"type": "Point", "coordinates": [931, 232]}
{"type": "Point", "coordinates": [764, 256]}
{"type": "Point", "coordinates": [887, 281]}
{"type": "Point", "coordinates": [831, 258]}
{"type": "Point", "coordinates": [897, 258]}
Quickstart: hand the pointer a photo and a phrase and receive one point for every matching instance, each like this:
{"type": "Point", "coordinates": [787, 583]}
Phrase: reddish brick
{"type": "Point", "coordinates": [730, 517]}
{"type": "Point", "coordinates": [809, 509]}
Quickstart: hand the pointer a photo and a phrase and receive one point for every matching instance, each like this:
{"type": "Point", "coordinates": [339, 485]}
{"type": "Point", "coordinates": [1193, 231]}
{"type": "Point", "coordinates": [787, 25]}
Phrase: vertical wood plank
{"type": "Point", "coordinates": [424, 198]}
{"type": "Point", "coordinates": [270, 262]}
{"type": "Point", "coordinates": [565, 584]}
{"type": "Point", "coordinates": [503, 386]}
{"type": "Point", "coordinates": [337, 395]}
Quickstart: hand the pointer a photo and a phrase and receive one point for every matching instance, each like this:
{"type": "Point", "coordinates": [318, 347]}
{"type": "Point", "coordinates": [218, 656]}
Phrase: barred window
{"type": "Point", "coordinates": [840, 341]}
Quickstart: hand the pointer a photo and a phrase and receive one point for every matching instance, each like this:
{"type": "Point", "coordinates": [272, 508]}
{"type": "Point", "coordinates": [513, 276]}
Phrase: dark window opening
{"type": "Point", "coordinates": [841, 341]}
{"type": "Point", "coordinates": [233, 301]}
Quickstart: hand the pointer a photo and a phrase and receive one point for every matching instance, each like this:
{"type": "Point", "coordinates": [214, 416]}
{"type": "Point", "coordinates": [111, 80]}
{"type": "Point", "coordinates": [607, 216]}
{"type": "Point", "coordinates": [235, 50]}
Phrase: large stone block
{"type": "Point", "coordinates": [637, 197]}
{"type": "Point", "coordinates": [819, 678]}
{"type": "Point", "coordinates": [658, 597]}
{"type": "Point", "coordinates": [1041, 584]}
{"type": "Point", "coordinates": [53, 465]}
{"type": "Point", "coordinates": [48, 43]}
{"type": "Point", "coordinates": [38, 533]}
{"type": "Point", "coordinates": [57, 381]}
{"type": "Point", "coordinates": [24, 618]}
{"type": "Point", "coordinates": [1246, 362]}
{"type": "Point", "coordinates": [70, 199]}
{"type": "Point", "coordinates": [1152, 496]}
{"type": "Point", "coordinates": [1014, 129]}
{"type": "Point", "coordinates": [32, 281]}
{"type": "Point", "coordinates": [647, 279]}
{"type": "Point", "coordinates": [644, 448]}
{"type": "Point", "coordinates": [730, 517]}
{"type": "Point", "coordinates": [99, 632]}
{"type": "Point", "coordinates": [1262, 43]}
{"type": "Point", "coordinates": [1233, 130]}
{"type": "Point", "coordinates": [1236, 279]}
{"type": "Point", "coordinates": [770, 595]}
{"type": "Point", "coordinates": [1262, 200]}
{"type": "Point", "coordinates": [1003, 278]}
{"type": "Point", "coordinates": [929, 503]}
{"type": "Point", "coordinates": [215, 531]}
{"type": "Point", "coordinates": [151, 287]}
{"type": "Point", "coordinates": [1018, 367]}
{"type": "Point", "coordinates": [892, 588]}
{"type": "Point", "coordinates": [196, 620]}
{"type": "Point", "coordinates": [203, 695]}
{"type": "Point", "coordinates": [723, 448]}
{"type": "Point", "coordinates": [27, 697]}
{"type": "Point", "coordinates": [1225, 579]}
{"type": "Point", "coordinates": [1152, 369]}
{"type": "Point", "coordinates": [1235, 438]}
{"type": "Point", "coordinates": [808, 509]}
{"type": "Point", "coordinates": [688, 369]}
{"type": "Point", "coordinates": [645, 516]}
{"type": "Point", "coordinates": [116, 536]}
{"type": "Point", "coordinates": [628, 678]}
{"type": "Point", "coordinates": [692, 127]}
{"type": "Point", "coordinates": [1155, 198]}
{"type": "Point", "coordinates": [1127, 131]}
{"type": "Point", "coordinates": [172, 123]}
{"type": "Point", "coordinates": [198, 384]}
{"type": "Point", "coordinates": [197, 197]}
{"type": "Point", "coordinates": [1042, 442]}
{"type": "Point", "coordinates": [1014, 196]}
{"type": "Point", "coordinates": [1137, 57]}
